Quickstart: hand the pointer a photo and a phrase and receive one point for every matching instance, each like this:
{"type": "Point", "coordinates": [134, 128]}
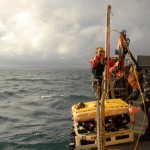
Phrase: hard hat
{"type": "Point", "coordinates": [100, 49]}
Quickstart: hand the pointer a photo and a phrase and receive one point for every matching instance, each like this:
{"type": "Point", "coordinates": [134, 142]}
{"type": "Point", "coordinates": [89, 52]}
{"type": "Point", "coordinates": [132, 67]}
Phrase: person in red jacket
{"type": "Point", "coordinates": [97, 65]}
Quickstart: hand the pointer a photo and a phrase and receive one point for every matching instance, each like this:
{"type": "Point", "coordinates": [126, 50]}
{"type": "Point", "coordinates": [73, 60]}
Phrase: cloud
{"type": "Point", "coordinates": [63, 32]}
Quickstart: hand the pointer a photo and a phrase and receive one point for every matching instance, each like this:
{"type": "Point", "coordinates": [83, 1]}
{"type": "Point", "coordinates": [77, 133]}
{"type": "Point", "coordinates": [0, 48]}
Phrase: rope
{"type": "Point", "coordinates": [144, 118]}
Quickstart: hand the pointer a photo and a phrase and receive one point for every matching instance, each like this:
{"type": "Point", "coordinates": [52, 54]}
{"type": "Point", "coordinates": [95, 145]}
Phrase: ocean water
{"type": "Point", "coordinates": [35, 106]}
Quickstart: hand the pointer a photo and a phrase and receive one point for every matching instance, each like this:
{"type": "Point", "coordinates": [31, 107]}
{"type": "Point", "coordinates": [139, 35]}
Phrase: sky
{"type": "Point", "coordinates": [65, 33]}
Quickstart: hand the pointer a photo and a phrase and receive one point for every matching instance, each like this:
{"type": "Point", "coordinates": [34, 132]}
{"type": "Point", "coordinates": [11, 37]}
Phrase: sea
{"type": "Point", "coordinates": [35, 106]}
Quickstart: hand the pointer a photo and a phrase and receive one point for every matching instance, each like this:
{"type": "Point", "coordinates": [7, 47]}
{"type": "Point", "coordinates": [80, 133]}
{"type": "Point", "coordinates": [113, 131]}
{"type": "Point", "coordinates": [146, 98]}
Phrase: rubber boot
{"type": "Point", "coordinates": [146, 135]}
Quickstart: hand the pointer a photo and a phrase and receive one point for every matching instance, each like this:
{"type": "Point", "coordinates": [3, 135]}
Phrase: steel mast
{"type": "Point", "coordinates": [100, 103]}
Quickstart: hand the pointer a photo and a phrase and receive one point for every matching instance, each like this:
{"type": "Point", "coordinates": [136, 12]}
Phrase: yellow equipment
{"type": "Point", "coordinates": [117, 124]}
{"type": "Point", "coordinates": [112, 107]}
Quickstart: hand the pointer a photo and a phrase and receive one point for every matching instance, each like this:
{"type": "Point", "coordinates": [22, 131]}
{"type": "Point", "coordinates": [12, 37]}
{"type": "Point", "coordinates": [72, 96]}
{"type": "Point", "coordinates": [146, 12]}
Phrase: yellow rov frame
{"type": "Point", "coordinates": [112, 107]}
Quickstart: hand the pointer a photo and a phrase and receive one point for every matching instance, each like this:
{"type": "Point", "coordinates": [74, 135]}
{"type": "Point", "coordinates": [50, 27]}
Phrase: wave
{"type": "Point", "coordinates": [46, 96]}
{"type": "Point", "coordinates": [7, 119]}
{"type": "Point", "coordinates": [67, 96]}
{"type": "Point", "coordinates": [26, 79]}
{"type": "Point", "coordinates": [13, 93]}
{"type": "Point", "coordinates": [7, 93]}
{"type": "Point", "coordinates": [6, 145]}
{"type": "Point", "coordinates": [78, 97]}
{"type": "Point", "coordinates": [49, 96]}
{"type": "Point", "coordinates": [37, 113]}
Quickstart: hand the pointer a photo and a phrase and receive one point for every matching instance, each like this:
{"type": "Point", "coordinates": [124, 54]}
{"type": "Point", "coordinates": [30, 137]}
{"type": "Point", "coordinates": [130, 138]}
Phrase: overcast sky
{"type": "Point", "coordinates": [67, 32]}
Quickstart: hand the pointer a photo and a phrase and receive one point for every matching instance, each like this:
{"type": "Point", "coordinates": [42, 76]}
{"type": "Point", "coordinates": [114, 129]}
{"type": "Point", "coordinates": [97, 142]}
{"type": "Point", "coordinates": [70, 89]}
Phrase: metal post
{"type": "Point", "coordinates": [100, 103]}
{"type": "Point", "coordinates": [107, 40]}
{"type": "Point", "coordinates": [99, 142]}
{"type": "Point", "coordinates": [100, 119]}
